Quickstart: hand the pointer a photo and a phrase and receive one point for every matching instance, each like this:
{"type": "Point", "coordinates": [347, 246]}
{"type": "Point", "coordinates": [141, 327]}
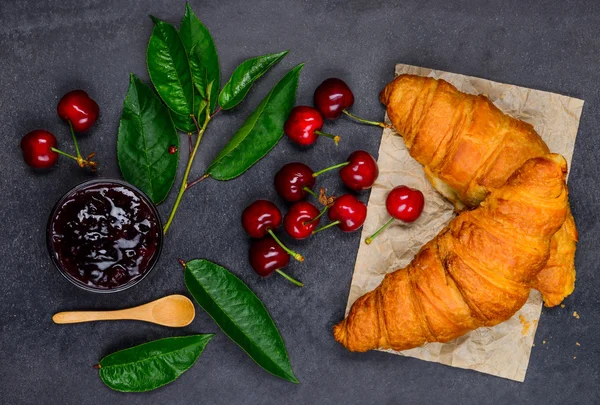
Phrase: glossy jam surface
{"type": "Point", "coordinates": [104, 235]}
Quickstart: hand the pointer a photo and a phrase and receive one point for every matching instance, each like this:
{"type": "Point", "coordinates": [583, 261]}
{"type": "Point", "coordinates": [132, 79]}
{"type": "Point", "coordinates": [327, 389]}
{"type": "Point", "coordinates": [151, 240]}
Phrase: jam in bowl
{"type": "Point", "coordinates": [104, 235]}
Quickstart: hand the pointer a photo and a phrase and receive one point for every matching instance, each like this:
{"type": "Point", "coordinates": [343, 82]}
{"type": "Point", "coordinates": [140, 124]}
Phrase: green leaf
{"type": "Point", "coordinates": [244, 77]}
{"type": "Point", "coordinates": [260, 132]}
{"type": "Point", "coordinates": [145, 134]}
{"type": "Point", "coordinates": [201, 107]}
{"type": "Point", "coordinates": [194, 34]}
{"type": "Point", "coordinates": [198, 72]}
{"type": "Point", "coordinates": [169, 69]}
{"type": "Point", "coordinates": [151, 365]}
{"type": "Point", "coordinates": [240, 314]}
{"type": "Point", "coordinates": [184, 122]}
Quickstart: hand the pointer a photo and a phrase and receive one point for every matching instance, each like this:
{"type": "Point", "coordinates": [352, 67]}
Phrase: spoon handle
{"type": "Point", "coordinates": [88, 316]}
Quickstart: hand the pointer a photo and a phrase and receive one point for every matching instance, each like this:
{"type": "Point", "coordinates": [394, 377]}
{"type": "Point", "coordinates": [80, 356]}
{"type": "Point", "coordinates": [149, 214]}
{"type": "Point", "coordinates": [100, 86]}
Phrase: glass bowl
{"type": "Point", "coordinates": [104, 235]}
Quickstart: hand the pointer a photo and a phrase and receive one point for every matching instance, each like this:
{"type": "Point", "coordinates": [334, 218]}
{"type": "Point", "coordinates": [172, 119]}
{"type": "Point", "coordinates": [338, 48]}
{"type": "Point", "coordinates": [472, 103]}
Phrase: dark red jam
{"type": "Point", "coordinates": [105, 235]}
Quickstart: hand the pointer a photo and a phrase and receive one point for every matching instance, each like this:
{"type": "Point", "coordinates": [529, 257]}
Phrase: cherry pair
{"type": "Point", "coordinates": [403, 203]}
{"type": "Point", "coordinates": [295, 180]}
{"type": "Point", "coordinates": [39, 147]}
{"type": "Point", "coordinates": [332, 98]}
{"type": "Point", "coordinates": [346, 211]}
{"type": "Point", "coordinates": [267, 253]}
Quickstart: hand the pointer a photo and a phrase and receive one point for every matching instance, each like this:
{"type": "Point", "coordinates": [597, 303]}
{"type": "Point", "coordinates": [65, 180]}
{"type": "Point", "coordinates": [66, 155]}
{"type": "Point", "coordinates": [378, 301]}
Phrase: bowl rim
{"type": "Point", "coordinates": [52, 251]}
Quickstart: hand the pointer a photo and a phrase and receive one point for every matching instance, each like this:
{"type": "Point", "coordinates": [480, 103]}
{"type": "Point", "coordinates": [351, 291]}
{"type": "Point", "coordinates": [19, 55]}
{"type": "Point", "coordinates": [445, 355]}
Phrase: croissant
{"type": "Point", "coordinates": [468, 147]}
{"type": "Point", "coordinates": [476, 272]}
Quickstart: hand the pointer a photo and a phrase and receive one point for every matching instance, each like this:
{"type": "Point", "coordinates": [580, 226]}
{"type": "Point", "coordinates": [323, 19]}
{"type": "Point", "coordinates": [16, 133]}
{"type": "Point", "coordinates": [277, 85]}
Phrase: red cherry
{"type": "Point", "coordinates": [172, 150]}
{"type": "Point", "coordinates": [304, 124]}
{"type": "Point", "coordinates": [361, 171]}
{"type": "Point", "coordinates": [405, 203]}
{"type": "Point", "coordinates": [347, 212]}
{"type": "Point", "coordinates": [332, 97]}
{"type": "Point", "coordinates": [78, 108]}
{"type": "Point", "coordinates": [260, 217]}
{"type": "Point", "coordinates": [292, 180]}
{"type": "Point", "coordinates": [301, 219]}
{"type": "Point", "coordinates": [266, 256]}
{"type": "Point", "coordinates": [37, 149]}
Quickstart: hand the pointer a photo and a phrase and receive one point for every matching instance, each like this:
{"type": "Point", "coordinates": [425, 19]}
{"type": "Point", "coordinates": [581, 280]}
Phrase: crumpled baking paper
{"type": "Point", "coordinates": [502, 350]}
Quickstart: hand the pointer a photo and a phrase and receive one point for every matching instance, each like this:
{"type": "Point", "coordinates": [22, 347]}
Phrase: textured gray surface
{"type": "Point", "coordinates": [50, 47]}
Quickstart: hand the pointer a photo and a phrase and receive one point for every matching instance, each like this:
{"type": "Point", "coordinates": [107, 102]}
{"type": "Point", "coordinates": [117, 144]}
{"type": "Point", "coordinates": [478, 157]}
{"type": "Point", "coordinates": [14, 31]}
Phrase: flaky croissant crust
{"type": "Point", "coordinates": [468, 147]}
{"type": "Point", "coordinates": [476, 272]}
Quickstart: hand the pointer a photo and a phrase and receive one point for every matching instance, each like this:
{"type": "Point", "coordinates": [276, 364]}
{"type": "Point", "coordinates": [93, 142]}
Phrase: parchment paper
{"type": "Point", "coordinates": [504, 349]}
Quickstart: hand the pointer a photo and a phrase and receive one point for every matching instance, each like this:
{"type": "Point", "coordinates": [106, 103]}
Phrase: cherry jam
{"type": "Point", "coordinates": [104, 235]}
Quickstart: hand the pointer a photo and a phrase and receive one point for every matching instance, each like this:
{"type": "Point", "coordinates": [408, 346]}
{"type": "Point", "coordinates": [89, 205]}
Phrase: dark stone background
{"type": "Point", "coordinates": [50, 47]}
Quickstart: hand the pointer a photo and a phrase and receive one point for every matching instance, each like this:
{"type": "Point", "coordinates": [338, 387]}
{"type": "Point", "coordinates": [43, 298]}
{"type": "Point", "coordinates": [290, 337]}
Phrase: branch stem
{"type": "Point", "coordinates": [184, 182]}
{"type": "Point", "coordinates": [216, 111]}
{"type": "Point", "coordinates": [198, 180]}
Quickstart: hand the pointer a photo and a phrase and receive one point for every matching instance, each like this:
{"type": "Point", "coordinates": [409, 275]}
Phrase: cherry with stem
{"type": "Point", "coordinates": [304, 124]}
{"type": "Point", "coordinates": [347, 213]}
{"type": "Point", "coordinates": [402, 203]}
{"type": "Point", "coordinates": [266, 256]}
{"type": "Point", "coordinates": [40, 151]}
{"type": "Point", "coordinates": [301, 219]}
{"type": "Point", "coordinates": [294, 181]}
{"type": "Point", "coordinates": [359, 172]}
{"type": "Point", "coordinates": [80, 111]}
{"type": "Point", "coordinates": [333, 97]}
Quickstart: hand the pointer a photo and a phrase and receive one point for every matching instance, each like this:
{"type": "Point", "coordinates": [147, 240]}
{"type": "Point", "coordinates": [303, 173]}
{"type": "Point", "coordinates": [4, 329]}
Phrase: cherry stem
{"type": "Point", "coordinates": [80, 161]}
{"type": "Point", "coordinates": [190, 143]}
{"type": "Point", "coordinates": [184, 182]}
{"type": "Point", "coordinates": [309, 191]}
{"type": "Point", "coordinates": [364, 121]}
{"type": "Point", "coordinates": [79, 158]}
{"type": "Point", "coordinates": [290, 279]}
{"type": "Point", "coordinates": [193, 183]}
{"type": "Point", "coordinates": [335, 138]}
{"type": "Point", "coordinates": [60, 152]}
{"type": "Point", "coordinates": [295, 255]}
{"type": "Point", "coordinates": [323, 211]}
{"type": "Point", "coordinates": [370, 238]}
{"type": "Point", "coordinates": [182, 262]}
{"type": "Point", "coordinates": [325, 227]}
{"type": "Point", "coordinates": [315, 174]}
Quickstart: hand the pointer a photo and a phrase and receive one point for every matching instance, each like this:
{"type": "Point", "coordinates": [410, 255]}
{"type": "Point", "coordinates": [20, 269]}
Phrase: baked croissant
{"type": "Point", "coordinates": [468, 147]}
{"type": "Point", "coordinates": [476, 272]}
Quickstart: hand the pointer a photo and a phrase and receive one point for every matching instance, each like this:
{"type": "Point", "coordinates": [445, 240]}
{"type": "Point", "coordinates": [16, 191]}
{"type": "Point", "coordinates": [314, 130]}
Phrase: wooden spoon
{"type": "Point", "coordinates": [173, 310]}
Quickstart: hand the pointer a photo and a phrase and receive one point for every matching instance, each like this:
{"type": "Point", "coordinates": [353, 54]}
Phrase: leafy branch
{"type": "Point", "coordinates": [184, 69]}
